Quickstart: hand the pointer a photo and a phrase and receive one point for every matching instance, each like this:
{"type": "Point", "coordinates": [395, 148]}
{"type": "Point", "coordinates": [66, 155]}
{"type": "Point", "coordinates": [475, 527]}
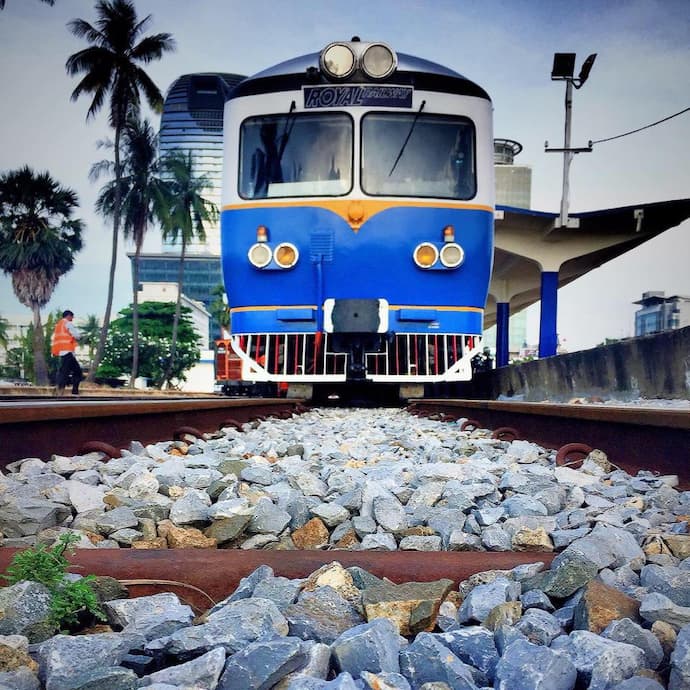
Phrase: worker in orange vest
{"type": "Point", "coordinates": [65, 339]}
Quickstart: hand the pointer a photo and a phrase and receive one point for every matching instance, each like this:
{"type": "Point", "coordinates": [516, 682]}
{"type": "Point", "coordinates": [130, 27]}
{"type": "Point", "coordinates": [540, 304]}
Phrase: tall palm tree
{"type": "Point", "coordinates": [38, 241]}
{"type": "Point", "coordinates": [143, 194]}
{"type": "Point", "coordinates": [111, 68]}
{"type": "Point", "coordinates": [47, 2]}
{"type": "Point", "coordinates": [187, 211]}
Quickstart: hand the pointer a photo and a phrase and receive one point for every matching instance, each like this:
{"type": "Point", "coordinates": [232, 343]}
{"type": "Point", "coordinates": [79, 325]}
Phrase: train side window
{"type": "Point", "coordinates": [307, 155]}
{"type": "Point", "coordinates": [422, 155]}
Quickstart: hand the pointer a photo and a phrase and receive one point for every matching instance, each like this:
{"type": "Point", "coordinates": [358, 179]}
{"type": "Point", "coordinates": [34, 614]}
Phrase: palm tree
{"type": "Point", "coordinates": [38, 241]}
{"type": "Point", "coordinates": [90, 331]}
{"type": "Point", "coordinates": [219, 309]}
{"type": "Point", "coordinates": [142, 196]}
{"type": "Point", "coordinates": [187, 211]}
{"type": "Point", "coordinates": [47, 2]}
{"type": "Point", "coordinates": [4, 333]}
{"type": "Point", "coordinates": [111, 66]}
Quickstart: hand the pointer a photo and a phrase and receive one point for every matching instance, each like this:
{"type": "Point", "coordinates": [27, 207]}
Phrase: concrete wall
{"type": "Point", "coordinates": [654, 366]}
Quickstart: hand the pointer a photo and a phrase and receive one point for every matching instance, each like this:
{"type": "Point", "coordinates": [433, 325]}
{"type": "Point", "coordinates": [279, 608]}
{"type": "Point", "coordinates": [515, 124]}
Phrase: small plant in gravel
{"type": "Point", "coordinates": [72, 601]}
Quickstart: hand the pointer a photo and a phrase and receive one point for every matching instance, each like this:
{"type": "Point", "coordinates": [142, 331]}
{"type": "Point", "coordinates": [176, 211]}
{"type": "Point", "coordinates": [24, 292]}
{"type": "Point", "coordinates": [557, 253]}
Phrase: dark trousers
{"type": "Point", "coordinates": [69, 368]}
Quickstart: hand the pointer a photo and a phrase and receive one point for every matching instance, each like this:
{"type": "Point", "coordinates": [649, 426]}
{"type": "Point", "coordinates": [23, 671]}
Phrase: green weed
{"type": "Point", "coordinates": [70, 599]}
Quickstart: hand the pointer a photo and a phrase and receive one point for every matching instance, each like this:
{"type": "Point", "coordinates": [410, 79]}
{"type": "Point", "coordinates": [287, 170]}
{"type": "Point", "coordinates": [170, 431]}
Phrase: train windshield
{"type": "Point", "coordinates": [296, 155]}
{"type": "Point", "coordinates": [418, 154]}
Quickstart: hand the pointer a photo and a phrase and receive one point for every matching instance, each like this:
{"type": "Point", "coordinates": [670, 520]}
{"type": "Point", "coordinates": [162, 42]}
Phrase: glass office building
{"type": "Point", "coordinates": [659, 313]}
{"type": "Point", "coordinates": [192, 121]}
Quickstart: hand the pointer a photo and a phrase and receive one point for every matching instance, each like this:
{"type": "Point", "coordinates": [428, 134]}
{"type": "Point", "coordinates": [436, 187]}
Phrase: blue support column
{"type": "Point", "coordinates": [548, 338]}
{"type": "Point", "coordinates": [502, 317]}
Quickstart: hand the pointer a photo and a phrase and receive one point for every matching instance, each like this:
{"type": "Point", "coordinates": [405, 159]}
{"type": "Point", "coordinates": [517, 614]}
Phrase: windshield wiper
{"type": "Point", "coordinates": [407, 138]}
{"type": "Point", "coordinates": [287, 131]}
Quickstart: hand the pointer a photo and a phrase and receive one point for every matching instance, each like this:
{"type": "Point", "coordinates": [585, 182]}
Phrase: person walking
{"type": "Point", "coordinates": [65, 339]}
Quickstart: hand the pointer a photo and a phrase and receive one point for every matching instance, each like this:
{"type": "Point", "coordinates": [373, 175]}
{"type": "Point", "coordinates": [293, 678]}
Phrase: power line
{"type": "Point", "coordinates": [639, 129]}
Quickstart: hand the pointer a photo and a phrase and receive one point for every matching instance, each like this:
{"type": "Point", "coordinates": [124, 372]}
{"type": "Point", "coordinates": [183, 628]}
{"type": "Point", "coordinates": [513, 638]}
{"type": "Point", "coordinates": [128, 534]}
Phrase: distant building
{"type": "Point", "coordinates": [200, 378]}
{"type": "Point", "coordinates": [513, 182]}
{"type": "Point", "coordinates": [166, 291]}
{"type": "Point", "coordinates": [192, 121]}
{"type": "Point", "coordinates": [201, 275]}
{"type": "Point", "coordinates": [660, 313]}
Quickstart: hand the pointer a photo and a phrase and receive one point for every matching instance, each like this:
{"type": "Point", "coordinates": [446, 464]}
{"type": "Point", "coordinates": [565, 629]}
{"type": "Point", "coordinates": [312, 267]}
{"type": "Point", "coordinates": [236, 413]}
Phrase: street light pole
{"type": "Point", "coordinates": [567, 153]}
{"type": "Point", "coordinates": [563, 70]}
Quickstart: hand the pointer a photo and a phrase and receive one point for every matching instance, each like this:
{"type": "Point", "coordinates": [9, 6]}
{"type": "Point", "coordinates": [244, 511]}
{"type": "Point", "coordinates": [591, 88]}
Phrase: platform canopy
{"type": "Point", "coordinates": [529, 243]}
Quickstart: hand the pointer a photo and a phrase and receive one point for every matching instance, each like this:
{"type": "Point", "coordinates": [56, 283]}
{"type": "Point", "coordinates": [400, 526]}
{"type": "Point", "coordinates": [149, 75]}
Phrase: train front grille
{"type": "Point", "coordinates": [407, 355]}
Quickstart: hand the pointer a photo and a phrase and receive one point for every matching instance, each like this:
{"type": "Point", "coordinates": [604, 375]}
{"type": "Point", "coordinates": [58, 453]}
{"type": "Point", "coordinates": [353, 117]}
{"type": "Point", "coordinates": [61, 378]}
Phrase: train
{"type": "Point", "coordinates": [357, 221]}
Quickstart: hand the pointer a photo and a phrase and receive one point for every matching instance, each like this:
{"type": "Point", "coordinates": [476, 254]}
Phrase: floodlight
{"type": "Point", "coordinates": [563, 66]}
{"type": "Point", "coordinates": [586, 67]}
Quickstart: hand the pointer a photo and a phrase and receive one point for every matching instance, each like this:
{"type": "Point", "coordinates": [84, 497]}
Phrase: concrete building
{"type": "Point", "coordinates": [513, 182]}
{"type": "Point", "coordinates": [167, 292]}
{"type": "Point", "coordinates": [659, 313]}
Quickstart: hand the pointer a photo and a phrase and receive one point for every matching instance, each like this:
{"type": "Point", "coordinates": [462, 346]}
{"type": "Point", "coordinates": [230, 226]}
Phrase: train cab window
{"type": "Point", "coordinates": [419, 155]}
{"type": "Point", "coordinates": [296, 155]}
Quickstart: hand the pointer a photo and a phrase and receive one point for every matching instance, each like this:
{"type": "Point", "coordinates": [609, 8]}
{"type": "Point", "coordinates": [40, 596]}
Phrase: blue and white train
{"type": "Point", "coordinates": [357, 219]}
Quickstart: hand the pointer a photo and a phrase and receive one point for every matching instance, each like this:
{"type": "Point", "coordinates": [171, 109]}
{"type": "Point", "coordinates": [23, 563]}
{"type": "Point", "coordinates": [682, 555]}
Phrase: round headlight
{"type": "Point", "coordinates": [286, 255]}
{"type": "Point", "coordinates": [425, 255]}
{"type": "Point", "coordinates": [338, 60]}
{"type": "Point", "coordinates": [378, 61]}
{"type": "Point", "coordinates": [452, 255]}
{"type": "Point", "coordinates": [260, 255]}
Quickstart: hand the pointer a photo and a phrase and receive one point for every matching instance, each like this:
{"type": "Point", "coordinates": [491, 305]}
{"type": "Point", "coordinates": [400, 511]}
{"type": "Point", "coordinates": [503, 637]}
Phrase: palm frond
{"type": "Point", "coordinates": [152, 47]}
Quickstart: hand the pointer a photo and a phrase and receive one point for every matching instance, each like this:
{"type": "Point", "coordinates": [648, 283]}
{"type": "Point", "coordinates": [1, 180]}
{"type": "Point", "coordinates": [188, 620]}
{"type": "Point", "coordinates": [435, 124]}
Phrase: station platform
{"type": "Point", "coordinates": [534, 256]}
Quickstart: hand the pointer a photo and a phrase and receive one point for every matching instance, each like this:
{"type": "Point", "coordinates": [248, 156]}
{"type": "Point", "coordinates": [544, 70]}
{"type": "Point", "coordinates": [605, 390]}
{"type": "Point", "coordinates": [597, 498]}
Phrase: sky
{"type": "Point", "coordinates": [641, 75]}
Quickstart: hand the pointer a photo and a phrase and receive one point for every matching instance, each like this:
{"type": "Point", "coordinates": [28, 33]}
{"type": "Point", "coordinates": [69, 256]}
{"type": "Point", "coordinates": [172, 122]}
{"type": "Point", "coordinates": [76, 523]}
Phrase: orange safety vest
{"type": "Point", "coordinates": [62, 339]}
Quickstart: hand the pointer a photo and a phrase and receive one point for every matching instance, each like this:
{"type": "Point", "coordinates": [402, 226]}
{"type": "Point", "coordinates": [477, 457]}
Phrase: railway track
{"type": "Point", "coordinates": [651, 439]}
{"type": "Point", "coordinates": [41, 427]}
{"type": "Point", "coordinates": [634, 438]}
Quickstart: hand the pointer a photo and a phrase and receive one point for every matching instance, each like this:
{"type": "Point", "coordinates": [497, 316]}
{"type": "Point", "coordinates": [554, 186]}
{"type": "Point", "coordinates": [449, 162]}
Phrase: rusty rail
{"type": "Point", "coordinates": [634, 438]}
{"type": "Point", "coordinates": [40, 428]}
{"type": "Point", "coordinates": [217, 572]}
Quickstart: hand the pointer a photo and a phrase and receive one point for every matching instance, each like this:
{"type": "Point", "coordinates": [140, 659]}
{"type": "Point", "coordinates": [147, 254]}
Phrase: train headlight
{"type": "Point", "coordinates": [425, 255]}
{"type": "Point", "coordinates": [338, 60]}
{"type": "Point", "coordinates": [260, 255]}
{"type": "Point", "coordinates": [286, 255]}
{"type": "Point", "coordinates": [452, 255]}
{"type": "Point", "coordinates": [378, 61]}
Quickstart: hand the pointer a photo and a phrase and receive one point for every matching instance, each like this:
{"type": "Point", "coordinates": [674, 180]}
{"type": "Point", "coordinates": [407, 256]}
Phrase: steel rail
{"type": "Point", "coordinates": [46, 427]}
{"type": "Point", "coordinates": [633, 438]}
{"type": "Point", "coordinates": [217, 572]}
